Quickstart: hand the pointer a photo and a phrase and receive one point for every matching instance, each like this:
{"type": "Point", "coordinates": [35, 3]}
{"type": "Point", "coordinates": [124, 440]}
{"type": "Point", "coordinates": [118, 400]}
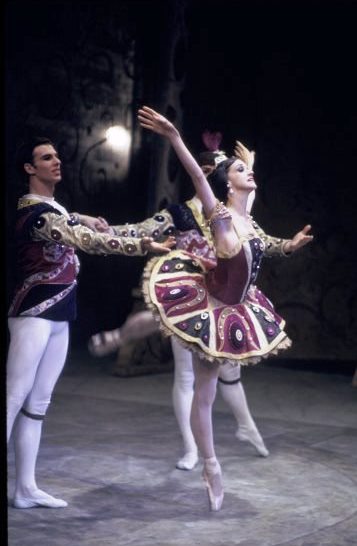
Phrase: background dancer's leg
{"type": "Point", "coordinates": [232, 391]}
{"type": "Point", "coordinates": [137, 326]}
{"type": "Point", "coordinates": [182, 394]}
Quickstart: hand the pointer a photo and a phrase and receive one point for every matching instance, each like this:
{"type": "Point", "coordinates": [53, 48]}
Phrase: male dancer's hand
{"type": "Point", "coordinates": [95, 223]}
{"type": "Point", "coordinates": [150, 245]}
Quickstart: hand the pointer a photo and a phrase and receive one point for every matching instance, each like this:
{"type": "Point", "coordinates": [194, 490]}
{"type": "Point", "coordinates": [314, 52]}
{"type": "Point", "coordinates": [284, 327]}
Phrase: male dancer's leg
{"type": "Point", "coordinates": [27, 433]}
{"type": "Point", "coordinates": [28, 340]}
{"type": "Point", "coordinates": [232, 391]}
{"type": "Point", "coordinates": [137, 326]}
{"type": "Point", "coordinates": [182, 394]}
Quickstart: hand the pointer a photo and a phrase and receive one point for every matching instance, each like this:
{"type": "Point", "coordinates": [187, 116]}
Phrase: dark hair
{"type": "Point", "coordinates": [218, 179]}
{"type": "Point", "coordinates": [24, 153]}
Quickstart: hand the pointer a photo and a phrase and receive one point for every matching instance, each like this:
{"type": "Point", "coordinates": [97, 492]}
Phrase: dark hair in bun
{"type": "Point", "coordinates": [218, 179]}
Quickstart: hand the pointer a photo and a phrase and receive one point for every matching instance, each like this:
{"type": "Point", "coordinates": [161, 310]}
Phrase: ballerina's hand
{"type": "Point", "coordinates": [300, 239]}
{"type": "Point", "coordinates": [150, 245]}
{"type": "Point", "coordinates": [149, 119]}
{"type": "Point", "coordinates": [170, 242]}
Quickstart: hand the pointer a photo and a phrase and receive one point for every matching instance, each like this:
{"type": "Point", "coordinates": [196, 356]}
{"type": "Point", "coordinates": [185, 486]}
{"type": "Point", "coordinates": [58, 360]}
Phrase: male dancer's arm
{"type": "Point", "coordinates": [58, 228]}
{"type": "Point", "coordinates": [159, 226]}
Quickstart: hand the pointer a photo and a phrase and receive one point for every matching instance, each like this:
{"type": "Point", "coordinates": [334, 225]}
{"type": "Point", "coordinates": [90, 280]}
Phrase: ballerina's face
{"type": "Point", "coordinates": [240, 177]}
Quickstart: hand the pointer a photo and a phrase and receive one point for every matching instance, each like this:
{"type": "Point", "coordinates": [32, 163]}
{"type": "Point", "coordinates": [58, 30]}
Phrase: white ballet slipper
{"type": "Point", "coordinates": [252, 436]}
{"type": "Point", "coordinates": [188, 461]}
{"type": "Point", "coordinates": [39, 500]}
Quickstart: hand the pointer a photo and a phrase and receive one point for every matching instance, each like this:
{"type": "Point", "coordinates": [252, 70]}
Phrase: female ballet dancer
{"type": "Point", "coordinates": [214, 308]}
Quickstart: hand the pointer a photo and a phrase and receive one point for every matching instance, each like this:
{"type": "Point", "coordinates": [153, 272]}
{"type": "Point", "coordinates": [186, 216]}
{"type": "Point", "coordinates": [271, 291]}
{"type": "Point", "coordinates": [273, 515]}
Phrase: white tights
{"type": "Point", "coordinates": [143, 324]}
{"type": "Point", "coordinates": [206, 376]}
{"type": "Point", "coordinates": [231, 390]}
{"type": "Point", "coordinates": [36, 357]}
{"type": "Point", "coordinates": [233, 394]}
{"type": "Point", "coordinates": [182, 394]}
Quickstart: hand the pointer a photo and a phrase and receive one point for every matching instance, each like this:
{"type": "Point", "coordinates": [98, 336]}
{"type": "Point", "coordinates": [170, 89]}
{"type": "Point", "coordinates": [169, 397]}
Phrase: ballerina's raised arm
{"type": "Point", "coordinates": [152, 120]}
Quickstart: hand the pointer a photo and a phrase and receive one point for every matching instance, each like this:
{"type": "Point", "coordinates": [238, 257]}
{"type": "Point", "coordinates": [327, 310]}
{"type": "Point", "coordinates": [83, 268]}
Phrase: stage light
{"type": "Point", "coordinates": [119, 138]}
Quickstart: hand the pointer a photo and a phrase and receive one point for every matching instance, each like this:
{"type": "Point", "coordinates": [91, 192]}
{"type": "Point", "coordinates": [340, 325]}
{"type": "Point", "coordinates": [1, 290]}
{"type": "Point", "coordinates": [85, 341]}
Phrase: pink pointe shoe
{"type": "Point", "coordinates": [212, 476]}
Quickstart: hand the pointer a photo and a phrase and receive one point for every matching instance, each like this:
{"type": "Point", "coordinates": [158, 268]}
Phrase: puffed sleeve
{"type": "Point", "coordinates": [159, 226]}
{"type": "Point", "coordinates": [274, 246]}
{"type": "Point", "coordinates": [58, 228]}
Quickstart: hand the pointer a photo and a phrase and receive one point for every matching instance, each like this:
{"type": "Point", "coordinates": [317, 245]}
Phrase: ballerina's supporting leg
{"type": "Point", "coordinates": [206, 376]}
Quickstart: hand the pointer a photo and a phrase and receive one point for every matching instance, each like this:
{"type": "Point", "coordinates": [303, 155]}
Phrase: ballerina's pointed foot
{"type": "Point", "coordinates": [104, 343]}
{"type": "Point", "coordinates": [251, 435]}
{"type": "Point", "coordinates": [188, 461]}
{"type": "Point", "coordinates": [39, 499]}
{"type": "Point", "coordinates": [212, 476]}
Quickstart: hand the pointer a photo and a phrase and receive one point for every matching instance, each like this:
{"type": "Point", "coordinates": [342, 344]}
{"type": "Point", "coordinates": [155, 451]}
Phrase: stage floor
{"type": "Point", "coordinates": [110, 445]}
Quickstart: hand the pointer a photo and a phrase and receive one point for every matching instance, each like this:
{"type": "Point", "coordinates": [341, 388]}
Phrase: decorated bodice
{"type": "Point", "coordinates": [229, 282]}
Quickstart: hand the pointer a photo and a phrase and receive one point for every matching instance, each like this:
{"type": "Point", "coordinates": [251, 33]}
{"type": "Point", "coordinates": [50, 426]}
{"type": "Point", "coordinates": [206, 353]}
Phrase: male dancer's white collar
{"type": "Point", "coordinates": [50, 200]}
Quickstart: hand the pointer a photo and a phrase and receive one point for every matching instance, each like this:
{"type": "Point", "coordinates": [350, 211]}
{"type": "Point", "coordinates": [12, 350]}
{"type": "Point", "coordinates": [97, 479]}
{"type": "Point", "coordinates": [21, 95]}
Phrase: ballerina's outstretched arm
{"type": "Point", "coordinates": [149, 119]}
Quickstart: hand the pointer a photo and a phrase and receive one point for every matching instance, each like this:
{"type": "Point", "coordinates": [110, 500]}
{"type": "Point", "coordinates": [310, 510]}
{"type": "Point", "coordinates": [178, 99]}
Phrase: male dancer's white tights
{"type": "Point", "coordinates": [36, 357]}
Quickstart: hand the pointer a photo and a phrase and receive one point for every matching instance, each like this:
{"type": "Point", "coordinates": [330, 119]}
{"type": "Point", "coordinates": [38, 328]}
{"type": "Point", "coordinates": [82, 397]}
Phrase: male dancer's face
{"type": "Point", "coordinates": [46, 165]}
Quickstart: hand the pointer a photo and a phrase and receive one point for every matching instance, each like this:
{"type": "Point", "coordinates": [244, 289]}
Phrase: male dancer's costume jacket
{"type": "Point", "coordinates": [187, 222]}
{"type": "Point", "coordinates": [47, 266]}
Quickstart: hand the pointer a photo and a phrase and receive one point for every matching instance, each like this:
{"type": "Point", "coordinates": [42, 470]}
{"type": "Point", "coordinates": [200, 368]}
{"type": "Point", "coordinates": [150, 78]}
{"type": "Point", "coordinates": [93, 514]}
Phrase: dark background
{"type": "Point", "coordinates": [279, 76]}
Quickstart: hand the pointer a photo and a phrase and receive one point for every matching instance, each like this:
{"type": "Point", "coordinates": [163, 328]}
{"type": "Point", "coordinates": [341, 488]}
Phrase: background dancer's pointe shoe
{"type": "Point", "coordinates": [212, 476]}
{"type": "Point", "coordinates": [39, 499]}
{"type": "Point", "coordinates": [188, 461]}
{"type": "Point", "coordinates": [251, 435]}
{"type": "Point", "coordinates": [104, 343]}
